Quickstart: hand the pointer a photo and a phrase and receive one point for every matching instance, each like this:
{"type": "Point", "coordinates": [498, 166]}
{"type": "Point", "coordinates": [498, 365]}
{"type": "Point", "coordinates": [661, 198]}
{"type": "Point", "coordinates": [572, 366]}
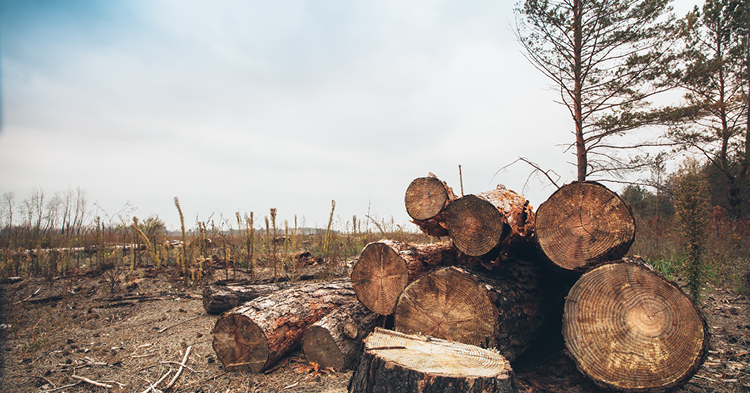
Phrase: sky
{"type": "Point", "coordinates": [243, 106]}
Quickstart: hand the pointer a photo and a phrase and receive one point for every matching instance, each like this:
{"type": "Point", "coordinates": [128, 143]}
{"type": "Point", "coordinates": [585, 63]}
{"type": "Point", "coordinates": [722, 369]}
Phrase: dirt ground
{"type": "Point", "coordinates": [54, 333]}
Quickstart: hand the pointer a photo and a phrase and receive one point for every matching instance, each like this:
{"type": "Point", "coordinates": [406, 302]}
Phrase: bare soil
{"type": "Point", "coordinates": [56, 332]}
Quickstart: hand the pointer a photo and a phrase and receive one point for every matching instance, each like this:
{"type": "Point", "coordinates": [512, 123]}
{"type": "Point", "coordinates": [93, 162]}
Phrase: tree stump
{"type": "Point", "coordinates": [584, 224]}
{"type": "Point", "coordinates": [220, 298]}
{"type": "Point", "coordinates": [502, 309]}
{"type": "Point", "coordinates": [384, 268]}
{"type": "Point", "coordinates": [262, 331]}
{"type": "Point", "coordinates": [336, 340]}
{"type": "Point", "coordinates": [629, 329]}
{"type": "Point", "coordinates": [395, 362]}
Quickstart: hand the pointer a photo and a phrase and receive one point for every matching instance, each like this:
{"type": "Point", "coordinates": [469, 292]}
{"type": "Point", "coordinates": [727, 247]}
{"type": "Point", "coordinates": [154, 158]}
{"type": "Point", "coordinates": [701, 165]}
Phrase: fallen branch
{"type": "Point", "coordinates": [142, 356]}
{"type": "Point", "coordinates": [91, 381]}
{"type": "Point", "coordinates": [182, 366]}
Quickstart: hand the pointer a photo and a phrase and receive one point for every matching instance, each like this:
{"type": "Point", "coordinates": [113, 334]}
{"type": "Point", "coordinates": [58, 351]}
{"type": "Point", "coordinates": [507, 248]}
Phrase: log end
{"type": "Point", "coordinates": [320, 347]}
{"type": "Point", "coordinates": [475, 225]}
{"type": "Point", "coordinates": [449, 304]}
{"type": "Point", "coordinates": [240, 344]}
{"type": "Point", "coordinates": [378, 277]}
{"type": "Point", "coordinates": [628, 329]}
{"type": "Point", "coordinates": [425, 198]}
{"type": "Point", "coordinates": [584, 224]}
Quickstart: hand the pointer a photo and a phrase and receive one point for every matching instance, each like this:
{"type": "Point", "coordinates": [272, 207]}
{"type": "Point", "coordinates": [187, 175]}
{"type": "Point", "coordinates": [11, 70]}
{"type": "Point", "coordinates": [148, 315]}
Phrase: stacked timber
{"type": "Point", "coordinates": [481, 295]}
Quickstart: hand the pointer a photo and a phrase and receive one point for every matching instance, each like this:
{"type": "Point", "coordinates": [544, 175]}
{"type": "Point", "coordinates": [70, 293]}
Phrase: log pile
{"type": "Point", "coordinates": [484, 293]}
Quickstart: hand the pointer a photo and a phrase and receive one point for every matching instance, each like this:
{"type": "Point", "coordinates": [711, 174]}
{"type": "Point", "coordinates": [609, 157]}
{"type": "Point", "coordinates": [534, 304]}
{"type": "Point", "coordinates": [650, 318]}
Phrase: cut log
{"type": "Point", "coordinates": [517, 213]}
{"type": "Point", "coordinates": [395, 362]}
{"type": "Point", "coordinates": [384, 268]}
{"type": "Point", "coordinates": [629, 329]}
{"type": "Point", "coordinates": [584, 224]}
{"type": "Point", "coordinates": [426, 199]}
{"type": "Point", "coordinates": [502, 309]}
{"type": "Point", "coordinates": [220, 298]}
{"type": "Point", "coordinates": [494, 221]}
{"type": "Point", "coordinates": [336, 340]}
{"type": "Point", "coordinates": [475, 225]}
{"type": "Point", "coordinates": [260, 332]}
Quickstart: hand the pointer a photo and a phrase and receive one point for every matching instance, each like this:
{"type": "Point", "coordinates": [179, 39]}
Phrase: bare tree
{"type": "Point", "coordinates": [80, 210]}
{"type": "Point", "coordinates": [8, 204]}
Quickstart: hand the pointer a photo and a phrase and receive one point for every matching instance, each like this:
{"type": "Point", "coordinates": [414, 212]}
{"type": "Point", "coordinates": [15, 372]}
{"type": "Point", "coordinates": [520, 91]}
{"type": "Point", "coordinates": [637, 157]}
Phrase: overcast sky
{"type": "Point", "coordinates": [248, 105]}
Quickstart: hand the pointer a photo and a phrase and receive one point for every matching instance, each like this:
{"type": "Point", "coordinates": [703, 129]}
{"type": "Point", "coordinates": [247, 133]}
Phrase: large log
{"type": "Point", "coordinates": [584, 224]}
{"type": "Point", "coordinates": [262, 331]}
{"type": "Point", "coordinates": [490, 222]}
{"type": "Point", "coordinates": [426, 199]}
{"type": "Point", "coordinates": [503, 309]}
{"type": "Point", "coordinates": [220, 298]}
{"type": "Point", "coordinates": [384, 268]}
{"type": "Point", "coordinates": [336, 340]}
{"type": "Point", "coordinates": [395, 362]}
{"type": "Point", "coordinates": [629, 329]}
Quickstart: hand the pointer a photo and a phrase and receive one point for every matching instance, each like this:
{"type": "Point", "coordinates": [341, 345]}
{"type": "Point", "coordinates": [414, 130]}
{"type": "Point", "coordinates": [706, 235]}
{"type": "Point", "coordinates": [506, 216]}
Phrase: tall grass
{"type": "Point", "coordinates": [236, 245]}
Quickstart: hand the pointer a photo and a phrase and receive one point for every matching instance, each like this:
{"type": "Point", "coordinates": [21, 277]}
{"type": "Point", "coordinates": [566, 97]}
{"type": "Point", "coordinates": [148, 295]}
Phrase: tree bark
{"type": "Point", "coordinates": [629, 329]}
{"type": "Point", "coordinates": [426, 199]}
{"type": "Point", "coordinates": [584, 224]}
{"type": "Point", "coordinates": [260, 332]}
{"type": "Point", "coordinates": [384, 268]}
{"type": "Point", "coordinates": [220, 298]}
{"type": "Point", "coordinates": [502, 309]}
{"type": "Point", "coordinates": [336, 340]}
{"type": "Point", "coordinates": [396, 362]}
{"type": "Point", "coordinates": [517, 213]}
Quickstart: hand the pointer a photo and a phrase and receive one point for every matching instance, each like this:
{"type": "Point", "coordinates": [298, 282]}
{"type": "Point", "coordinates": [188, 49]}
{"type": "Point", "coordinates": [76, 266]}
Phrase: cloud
{"type": "Point", "coordinates": [247, 105]}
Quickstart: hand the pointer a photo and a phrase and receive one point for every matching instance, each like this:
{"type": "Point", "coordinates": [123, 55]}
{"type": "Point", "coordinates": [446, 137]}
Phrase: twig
{"type": "Point", "coordinates": [178, 323]}
{"type": "Point", "coordinates": [48, 381]}
{"type": "Point", "coordinates": [61, 387]}
{"type": "Point", "coordinates": [95, 363]}
{"type": "Point", "coordinates": [153, 386]}
{"type": "Point", "coordinates": [84, 379]}
{"type": "Point", "coordinates": [461, 179]}
{"type": "Point", "coordinates": [179, 371]}
{"type": "Point", "coordinates": [142, 356]}
{"type": "Point", "coordinates": [178, 363]}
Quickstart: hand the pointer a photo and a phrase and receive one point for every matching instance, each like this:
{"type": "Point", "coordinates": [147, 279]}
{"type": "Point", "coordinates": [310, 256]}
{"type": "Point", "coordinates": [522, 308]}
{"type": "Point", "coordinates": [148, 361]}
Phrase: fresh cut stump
{"type": "Point", "coordinates": [397, 362]}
